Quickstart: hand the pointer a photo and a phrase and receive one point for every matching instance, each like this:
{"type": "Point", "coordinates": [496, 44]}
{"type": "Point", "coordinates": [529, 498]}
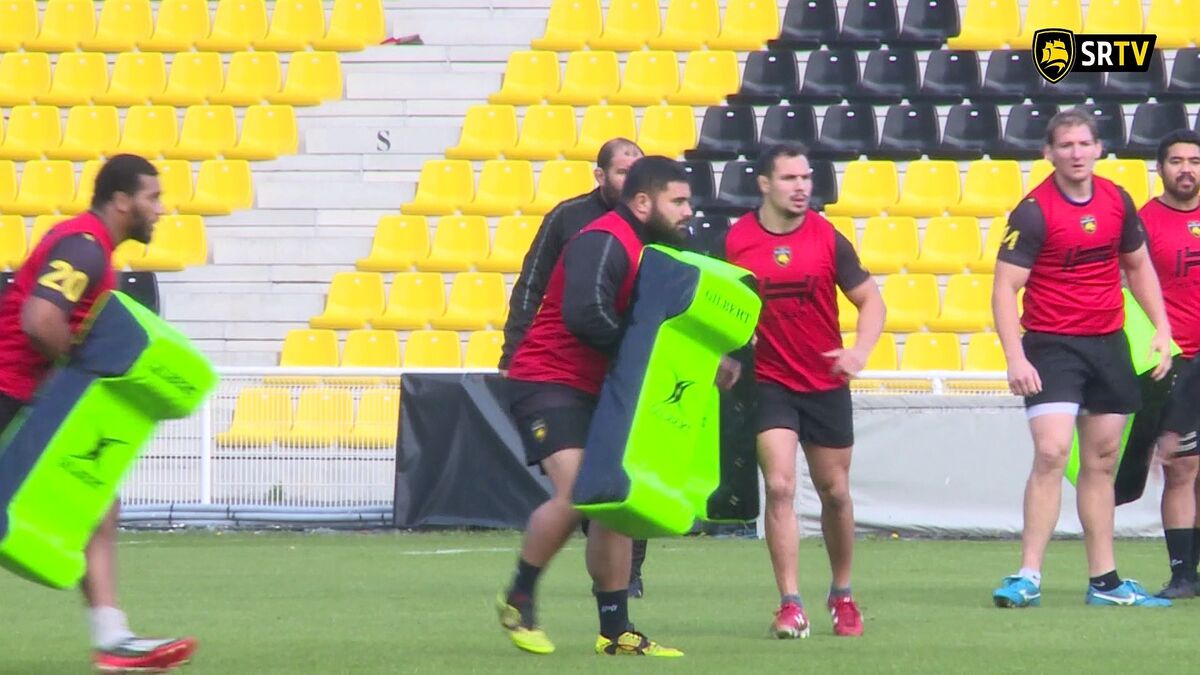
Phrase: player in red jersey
{"type": "Point", "coordinates": [1066, 244]}
{"type": "Point", "coordinates": [802, 369]}
{"type": "Point", "coordinates": [1172, 224]}
{"type": "Point", "coordinates": [68, 270]}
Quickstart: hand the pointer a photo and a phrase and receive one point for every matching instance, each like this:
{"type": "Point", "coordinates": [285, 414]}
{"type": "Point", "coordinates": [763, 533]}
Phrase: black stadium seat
{"type": "Point", "coordinates": [768, 78]}
{"type": "Point", "coordinates": [1152, 121]}
{"type": "Point", "coordinates": [1110, 122]}
{"type": "Point", "coordinates": [889, 76]}
{"type": "Point", "coordinates": [951, 76]}
{"type": "Point", "coordinates": [1010, 78]}
{"type": "Point", "coordinates": [1185, 76]}
{"type": "Point", "coordinates": [728, 132]}
{"type": "Point", "coordinates": [1136, 87]}
{"type": "Point", "coordinates": [866, 24]}
{"type": "Point", "coordinates": [739, 191]}
{"type": "Point", "coordinates": [847, 132]}
{"type": "Point", "coordinates": [909, 131]}
{"type": "Point", "coordinates": [807, 24]}
{"type": "Point", "coordinates": [825, 189]}
{"type": "Point", "coordinates": [707, 234]}
{"type": "Point", "coordinates": [143, 287]}
{"type": "Point", "coordinates": [788, 124]}
{"type": "Point", "coordinates": [971, 131]}
{"type": "Point", "coordinates": [1025, 131]}
{"type": "Point", "coordinates": [927, 24]}
{"type": "Point", "coordinates": [1076, 87]}
{"type": "Point", "coordinates": [701, 181]}
{"type": "Point", "coordinates": [830, 76]}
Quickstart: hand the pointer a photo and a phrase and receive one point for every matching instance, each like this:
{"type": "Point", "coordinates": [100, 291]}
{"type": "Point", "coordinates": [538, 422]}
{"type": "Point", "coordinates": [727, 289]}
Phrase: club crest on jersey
{"type": "Point", "coordinates": [783, 255]}
{"type": "Point", "coordinates": [1088, 223]}
{"type": "Point", "coordinates": [1194, 227]}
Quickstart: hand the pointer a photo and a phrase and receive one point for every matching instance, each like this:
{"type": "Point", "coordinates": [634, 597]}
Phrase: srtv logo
{"type": "Point", "coordinates": [1057, 51]}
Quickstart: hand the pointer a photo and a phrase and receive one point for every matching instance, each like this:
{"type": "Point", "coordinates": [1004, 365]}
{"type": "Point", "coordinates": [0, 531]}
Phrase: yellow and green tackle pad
{"type": "Point", "coordinates": [63, 457]}
{"type": "Point", "coordinates": [652, 461]}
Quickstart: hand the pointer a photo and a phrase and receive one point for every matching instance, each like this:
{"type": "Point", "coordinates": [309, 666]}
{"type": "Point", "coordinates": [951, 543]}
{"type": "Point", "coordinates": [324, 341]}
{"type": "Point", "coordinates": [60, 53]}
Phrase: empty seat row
{"type": "Point", "coordinates": [208, 132]}
{"type": "Point", "coordinates": [992, 24]}
{"type": "Point", "coordinates": [194, 78]}
{"type": "Point", "coordinates": [459, 243]}
{"type": "Point", "coordinates": [221, 187]}
{"type": "Point", "coordinates": [417, 300]}
{"type": "Point", "coordinates": [808, 24]}
{"type": "Point", "coordinates": [593, 77]}
{"type": "Point", "coordinates": [123, 25]}
{"type": "Point", "coordinates": [366, 348]}
{"type": "Point", "coordinates": [320, 417]}
{"type": "Point", "coordinates": [933, 352]}
{"type": "Point", "coordinates": [913, 304]}
{"type": "Point", "coordinates": [178, 242]}
{"type": "Point", "coordinates": [447, 186]}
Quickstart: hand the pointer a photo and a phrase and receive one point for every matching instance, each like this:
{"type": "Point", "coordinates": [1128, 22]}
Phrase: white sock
{"type": "Point", "coordinates": [1032, 575]}
{"type": "Point", "coordinates": [109, 627]}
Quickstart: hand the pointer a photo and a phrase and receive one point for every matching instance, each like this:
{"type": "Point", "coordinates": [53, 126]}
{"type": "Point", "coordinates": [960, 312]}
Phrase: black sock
{"type": "Point", "coordinates": [639, 557]}
{"type": "Point", "coordinates": [1179, 550]}
{"type": "Point", "coordinates": [1194, 562]}
{"type": "Point", "coordinates": [520, 594]}
{"type": "Point", "coordinates": [614, 612]}
{"type": "Point", "coordinates": [1106, 582]}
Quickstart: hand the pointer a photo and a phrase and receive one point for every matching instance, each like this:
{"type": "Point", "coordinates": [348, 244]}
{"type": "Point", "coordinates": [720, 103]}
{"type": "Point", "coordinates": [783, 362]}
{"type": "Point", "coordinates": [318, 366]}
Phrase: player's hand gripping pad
{"type": "Point", "coordinates": [63, 457]}
{"type": "Point", "coordinates": [1141, 429]}
{"type": "Point", "coordinates": [646, 472]}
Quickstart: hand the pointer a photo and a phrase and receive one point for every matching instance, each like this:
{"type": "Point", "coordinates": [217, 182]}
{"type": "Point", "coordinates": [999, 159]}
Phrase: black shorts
{"type": "Point", "coordinates": [822, 418]}
{"type": "Point", "coordinates": [550, 417]}
{"type": "Point", "coordinates": [1182, 414]}
{"type": "Point", "coordinates": [1095, 372]}
{"type": "Point", "coordinates": [9, 407]}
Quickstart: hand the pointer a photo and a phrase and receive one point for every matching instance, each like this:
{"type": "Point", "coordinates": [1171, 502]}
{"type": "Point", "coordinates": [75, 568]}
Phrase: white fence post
{"type": "Point", "coordinates": [206, 451]}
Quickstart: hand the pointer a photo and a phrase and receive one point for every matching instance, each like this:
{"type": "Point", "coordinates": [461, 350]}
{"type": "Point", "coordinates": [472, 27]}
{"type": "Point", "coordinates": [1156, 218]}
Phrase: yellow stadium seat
{"type": "Point", "coordinates": [309, 348]}
{"type": "Point", "coordinates": [1113, 16]}
{"type": "Point", "coordinates": [178, 242]}
{"type": "Point", "coordinates": [18, 23]}
{"type": "Point", "coordinates": [1173, 21]}
{"type": "Point", "coordinates": [911, 300]}
{"type": "Point", "coordinates": [458, 241]}
{"type": "Point", "coordinates": [987, 24]}
{"type": "Point", "coordinates": [24, 76]}
{"type": "Point", "coordinates": [77, 78]}
{"type": "Point", "coordinates": [992, 188]}
{"type": "Point", "coordinates": [847, 312]}
{"type": "Point", "coordinates": [689, 25]}
{"type": "Point", "coordinates": [126, 252]}
{"type": "Point", "coordinates": [589, 79]}
{"type": "Point", "coordinates": [560, 180]}
{"type": "Point", "coordinates": [84, 188]}
{"type": "Point", "coordinates": [628, 25]}
{"type": "Point", "coordinates": [312, 78]}
{"type": "Point", "coordinates": [1157, 189]}
{"type": "Point", "coordinates": [175, 179]}
{"type": "Point", "coordinates": [354, 299]}
{"type": "Point", "coordinates": [667, 130]}
{"type": "Point", "coordinates": [984, 353]}
{"type": "Point", "coordinates": [1039, 171]}
{"type": "Point", "coordinates": [889, 244]}
{"type": "Point", "coordinates": [484, 348]}
{"type": "Point", "coordinates": [476, 299]}
{"type": "Point", "coordinates": [967, 306]}
{"type": "Point", "coordinates": [415, 298]}
{"type": "Point", "coordinates": [930, 188]}
{"type": "Point", "coordinates": [136, 77]}
{"type": "Point", "coordinates": [432, 349]}
{"type": "Point", "coordinates": [208, 131]}
{"type": "Point", "coordinates": [991, 247]}
{"type": "Point", "coordinates": [12, 240]}
{"type": "Point", "coordinates": [529, 77]}
{"type": "Point", "coordinates": [65, 23]}
{"type": "Point", "coordinates": [148, 130]}
{"type": "Point", "coordinates": [570, 25]}
{"type": "Point", "coordinates": [399, 242]}
{"type": "Point", "coordinates": [295, 24]}
{"type": "Point", "coordinates": [260, 416]}
{"type": "Point", "coordinates": [648, 79]}
{"type": "Point", "coordinates": [882, 357]}
{"type": "Point", "coordinates": [8, 181]}
{"type": "Point", "coordinates": [252, 77]}
{"type": "Point", "coordinates": [222, 187]}
{"type": "Point", "coordinates": [441, 188]}
{"type": "Point", "coordinates": [45, 183]}
{"type": "Point", "coordinates": [545, 132]}
{"type": "Point", "coordinates": [378, 419]}
{"type": "Point", "coordinates": [1130, 174]}
{"type": "Point", "coordinates": [845, 225]}
{"type": "Point", "coordinates": [931, 351]}
{"type": "Point", "coordinates": [194, 76]}
{"type": "Point", "coordinates": [324, 416]}
{"type": "Point", "coordinates": [31, 130]}
{"type": "Point", "coordinates": [505, 185]}
{"type": "Point", "coordinates": [182, 24]}
{"type": "Point", "coordinates": [122, 24]}
{"type": "Point", "coordinates": [367, 348]}
{"type": "Point", "coordinates": [42, 225]}
{"type": "Point", "coordinates": [488, 132]}
{"type": "Point", "coordinates": [949, 245]}
{"type": "Point", "coordinates": [869, 188]}
{"type": "Point", "coordinates": [1065, 14]}
{"type": "Point", "coordinates": [353, 25]}
{"type": "Point", "coordinates": [236, 25]}
{"type": "Point", "coordinates": [92, 132]}
{"type": "Point", "coordinates": [708, 77]}
{"type": "Point", "coordinates": [747, 26]}
{"type": "Point", "coordinates": [514, 236]}
{"type": "Point", "coordinates": [268, 132]}
{"type": "Point", "coordinates": [601, 123]}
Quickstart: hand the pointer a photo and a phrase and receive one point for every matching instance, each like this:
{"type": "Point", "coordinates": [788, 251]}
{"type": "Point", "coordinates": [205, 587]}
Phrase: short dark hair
{"type": "Point", "coordinates": [1179, 136]}
{"type": "Point", "coordinates": [609, 151]}
{"type": "Point", "coordinates": [121, 173]}
{"type": "Point", "coordinates": [1071, 117]}
{"type": "Point", "coordinates": [765, 165]}
{"type": "Point", "coordinates": [651, 175]}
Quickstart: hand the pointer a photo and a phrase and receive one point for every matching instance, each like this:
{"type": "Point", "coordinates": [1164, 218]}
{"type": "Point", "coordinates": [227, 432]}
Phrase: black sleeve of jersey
{"type": "Point", "coordinates": [1133, 235]}
{"type": "Point", "coordinates": [850, 272]}
{"type": "Point", "coordinates": [530, 285]}
{"type": "Point", "coordinates": [596, 266]}
{"type": "Point", "coordinates": [1024, 236]}
{"type": "Point", "coordinates": [75, 265]}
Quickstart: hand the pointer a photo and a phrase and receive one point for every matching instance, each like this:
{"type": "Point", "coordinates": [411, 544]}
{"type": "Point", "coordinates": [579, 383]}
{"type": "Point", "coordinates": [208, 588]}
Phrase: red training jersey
{"type": "Point", "coordinates": [1173, 238]}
